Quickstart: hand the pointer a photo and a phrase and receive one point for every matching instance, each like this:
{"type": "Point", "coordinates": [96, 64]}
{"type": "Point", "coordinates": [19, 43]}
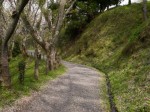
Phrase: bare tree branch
{"type": "Point", "coordinates": [70, 8]}
{"type": "Point", "coordinates": [12, 25]}
{"type": "Point", "coordinates": [32, 31]}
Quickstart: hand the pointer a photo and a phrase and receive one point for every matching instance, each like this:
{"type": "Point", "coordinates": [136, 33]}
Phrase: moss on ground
{"type": "Point", "coordinates": [30, 84]}
{"type": "Point", "coordinates": [117, 42]}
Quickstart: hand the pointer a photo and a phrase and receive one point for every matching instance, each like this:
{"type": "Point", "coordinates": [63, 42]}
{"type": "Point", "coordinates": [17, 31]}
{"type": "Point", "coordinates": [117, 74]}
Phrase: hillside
{"type": "Point", "coordinates": [117, 43]}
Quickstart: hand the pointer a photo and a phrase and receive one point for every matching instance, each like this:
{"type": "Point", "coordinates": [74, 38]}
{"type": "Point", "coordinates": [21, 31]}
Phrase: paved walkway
{"type": "Point", "coordinates": [75, 91]}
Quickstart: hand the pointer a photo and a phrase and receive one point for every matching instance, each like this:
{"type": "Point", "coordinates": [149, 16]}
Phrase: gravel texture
{"type": "Point", "coordinates": [75, 91]}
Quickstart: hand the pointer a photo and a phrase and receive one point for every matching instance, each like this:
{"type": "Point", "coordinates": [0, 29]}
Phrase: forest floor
{"type": "Point", "coordinates": [78, 90]}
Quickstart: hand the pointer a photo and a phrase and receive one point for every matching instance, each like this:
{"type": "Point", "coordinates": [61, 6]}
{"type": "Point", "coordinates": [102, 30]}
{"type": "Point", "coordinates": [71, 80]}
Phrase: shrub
{"type": "Point", "coordinates": [16, 50]}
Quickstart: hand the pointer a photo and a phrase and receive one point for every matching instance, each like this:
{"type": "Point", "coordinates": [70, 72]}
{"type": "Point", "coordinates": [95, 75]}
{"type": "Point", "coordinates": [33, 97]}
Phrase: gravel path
{"type": "Point", "coordinates": [75, 91]}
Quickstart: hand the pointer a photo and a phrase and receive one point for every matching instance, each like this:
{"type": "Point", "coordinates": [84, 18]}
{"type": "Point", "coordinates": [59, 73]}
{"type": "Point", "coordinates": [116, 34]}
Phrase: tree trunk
{"type": "Point", "coordinates": [59, 22]}
{"type": "Point", "coordinates": [11, 49]}
{"type": "Point", "coordinates": [50, 60]}
{"type": "Point", "coordinates": [1, 36]}
{"type": "Point", "coordinates": [23, 48]}
{"type": "Point", "coordinates": [129, 2]}
{"type": "Point", "coordinates": [24, 51]}
{"type": "Point", "coordinates": [6, 78]}
{"type": "Point", "coordinates": [145, 9]}
{"type": "Point", "coordinates": [47, 62]}
{"type": "Point", "coordinates": [108, 7]}
{"type": "Point", "coordinates": [55, 58]}
{"type": "Point", "coordinates": [36, 67]}
{"type": "Point", "coordinates": [58, 60]}
{"type": "Point", "coordinates": [55, 33]}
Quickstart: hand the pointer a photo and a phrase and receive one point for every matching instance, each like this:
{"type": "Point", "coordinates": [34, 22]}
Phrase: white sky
{"type": "Point", "coordinates": [133, 1]}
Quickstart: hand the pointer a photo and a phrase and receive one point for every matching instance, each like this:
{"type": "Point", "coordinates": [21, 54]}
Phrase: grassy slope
{"type": "Point", "coordinates": [30, 84]}
{"type": "Point", "coordinates": [117, 42]}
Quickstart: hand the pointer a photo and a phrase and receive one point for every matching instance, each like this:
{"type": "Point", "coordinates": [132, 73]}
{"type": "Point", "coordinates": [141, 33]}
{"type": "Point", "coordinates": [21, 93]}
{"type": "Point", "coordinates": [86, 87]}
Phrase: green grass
{"type": "Point", "coordinates": [104, 101]}
{"type": "Point", "coordinates": [117, 42]}
{"type": "Point", "coordinates": [30, 84]}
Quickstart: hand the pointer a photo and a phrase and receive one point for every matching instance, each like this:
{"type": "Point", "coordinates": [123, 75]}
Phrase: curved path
{"type": "Point", "coordinates": [75, 91]}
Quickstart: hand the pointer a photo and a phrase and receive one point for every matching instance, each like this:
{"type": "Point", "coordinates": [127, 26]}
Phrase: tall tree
{"type": "Point", "coordinates": [1, 34]}
{"type": "Point", "coordinates": [54, 25]}
{"type": "Point", "coordinates": [36, 66]}
{"type": "Point", "coordinates": [37, 53]}
{"type": "Point", "coordinates": [6, 77]}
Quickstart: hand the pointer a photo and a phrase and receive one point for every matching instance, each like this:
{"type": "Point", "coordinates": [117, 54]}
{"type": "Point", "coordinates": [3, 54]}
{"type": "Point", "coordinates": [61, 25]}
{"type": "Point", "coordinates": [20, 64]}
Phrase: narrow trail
{"type": "Point", "coordinates": [75, 91]}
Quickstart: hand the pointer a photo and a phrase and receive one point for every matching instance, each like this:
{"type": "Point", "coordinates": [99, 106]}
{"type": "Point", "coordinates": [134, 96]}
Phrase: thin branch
{"type": "Point", "coordinates": [35, 15]}
{"type": "Point", "coordinates": [70, 8]}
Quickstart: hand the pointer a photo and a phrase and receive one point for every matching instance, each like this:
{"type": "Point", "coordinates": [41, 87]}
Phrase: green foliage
{"type": "Point", "coordinates": [77, 19]}
{"type": "Point", "coordinates": [82, 13]}
{"type": "Point", "coordinates": [41, 2]}
{"type": "Point", "coordinates": [101, 4]}
{"type": "Point", "coordinates": [53, 6]}
{"type": "Point", "coordinates": [16, 50]}
{"type": "Point", "coordinates": [21, 65]}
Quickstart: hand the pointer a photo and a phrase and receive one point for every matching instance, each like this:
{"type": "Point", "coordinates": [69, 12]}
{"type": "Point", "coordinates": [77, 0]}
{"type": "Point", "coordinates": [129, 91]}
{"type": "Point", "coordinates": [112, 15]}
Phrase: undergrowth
{"type": "Point", "coordinates": [30, 84]}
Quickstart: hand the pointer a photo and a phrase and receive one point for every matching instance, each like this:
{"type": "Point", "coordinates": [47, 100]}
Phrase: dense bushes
{"type": "Point", "coordinates": [82, 13]}
{"type": "Point", "coordinates": [16, 50]}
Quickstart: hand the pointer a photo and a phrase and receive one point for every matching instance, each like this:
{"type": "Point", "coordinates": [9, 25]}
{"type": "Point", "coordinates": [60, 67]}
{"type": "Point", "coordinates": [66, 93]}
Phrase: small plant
{"type": "Point", "coordinates": [16, 50]}
{"type": "Point", "coordinates": [21, 68]}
